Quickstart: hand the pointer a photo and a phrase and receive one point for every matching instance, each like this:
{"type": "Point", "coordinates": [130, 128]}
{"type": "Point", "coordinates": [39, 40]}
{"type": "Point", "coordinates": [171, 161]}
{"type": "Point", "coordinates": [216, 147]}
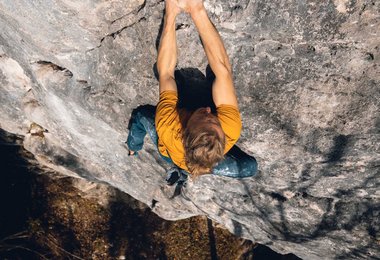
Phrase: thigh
{"type": "Point", "coordinates": [145, 116]}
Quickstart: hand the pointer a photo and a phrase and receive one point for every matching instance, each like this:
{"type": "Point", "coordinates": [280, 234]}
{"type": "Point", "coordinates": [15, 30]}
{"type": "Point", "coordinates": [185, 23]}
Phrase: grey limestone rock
{"type": "Point", "coordinates": [307, 75]}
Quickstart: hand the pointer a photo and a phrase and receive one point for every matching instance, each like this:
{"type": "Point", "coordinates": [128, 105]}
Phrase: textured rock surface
{"type": "Point", "coordinates": [307, 76]}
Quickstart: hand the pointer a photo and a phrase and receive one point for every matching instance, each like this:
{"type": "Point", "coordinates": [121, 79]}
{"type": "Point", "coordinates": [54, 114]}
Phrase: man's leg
{"type": "Point", "coordinates": [236, 164]}
{"type": "Point", "coordinates": [142, 123]}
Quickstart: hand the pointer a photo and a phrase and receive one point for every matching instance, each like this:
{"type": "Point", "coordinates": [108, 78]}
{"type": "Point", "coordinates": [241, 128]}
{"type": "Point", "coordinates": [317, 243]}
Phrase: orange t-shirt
{"type": "Point", "coordinates": [169, 128]}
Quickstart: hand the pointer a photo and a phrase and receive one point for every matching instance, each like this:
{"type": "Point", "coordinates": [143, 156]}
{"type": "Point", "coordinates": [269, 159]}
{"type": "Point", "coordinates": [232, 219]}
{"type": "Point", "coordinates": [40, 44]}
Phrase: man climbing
{"type": "Point", "coordinates": [197, 142]}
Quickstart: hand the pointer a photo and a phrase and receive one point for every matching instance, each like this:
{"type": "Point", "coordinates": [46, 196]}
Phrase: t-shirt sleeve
{"type": "Point", "coordinates": [166, 111]}
{"type": "Point", "coordinates": [230, 120]}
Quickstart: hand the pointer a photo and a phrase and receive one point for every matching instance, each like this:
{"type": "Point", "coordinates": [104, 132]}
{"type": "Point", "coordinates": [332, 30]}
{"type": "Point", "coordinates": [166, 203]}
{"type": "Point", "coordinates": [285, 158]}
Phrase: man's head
{"type": "Point", "coordinates": [204, 141]}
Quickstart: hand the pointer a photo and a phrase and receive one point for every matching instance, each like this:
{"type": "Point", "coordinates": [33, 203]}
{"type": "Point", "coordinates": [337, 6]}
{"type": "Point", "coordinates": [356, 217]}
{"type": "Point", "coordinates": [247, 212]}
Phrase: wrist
{"type": "Point", "coordinates": [170, 18]}
{"type": "Point", "coordinates": [198, 10]}
{"type": "Point", "coordinates": [171, 9]}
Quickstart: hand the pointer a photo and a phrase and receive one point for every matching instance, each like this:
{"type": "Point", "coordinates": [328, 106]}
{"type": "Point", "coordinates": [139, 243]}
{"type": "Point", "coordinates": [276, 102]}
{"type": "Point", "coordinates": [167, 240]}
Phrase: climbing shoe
{"type": "Point", "coordinates": [173, 175]}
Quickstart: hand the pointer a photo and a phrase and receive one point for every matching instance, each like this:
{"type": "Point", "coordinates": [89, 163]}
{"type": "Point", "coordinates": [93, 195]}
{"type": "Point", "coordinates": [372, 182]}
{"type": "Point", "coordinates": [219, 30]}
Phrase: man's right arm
{"type": "Point", "coordinates": [223, 90]}
{"type": "Point", "coordinates": [167, 51]}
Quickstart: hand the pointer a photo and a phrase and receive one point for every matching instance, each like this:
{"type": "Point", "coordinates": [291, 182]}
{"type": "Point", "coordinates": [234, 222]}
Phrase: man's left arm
{"type": "Point", "coordinates": [167, 51]}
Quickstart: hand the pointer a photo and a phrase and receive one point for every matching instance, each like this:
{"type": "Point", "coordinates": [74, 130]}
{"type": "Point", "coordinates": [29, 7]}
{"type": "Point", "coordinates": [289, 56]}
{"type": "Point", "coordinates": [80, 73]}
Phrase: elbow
{"type": "Point", "coordinates": [223, 69]}
{"type": "Point", "coordinates": [165, 75]}
{"type": "Point", "coordinates": [165, 72]}
{"type": "Point", "coordinates": [165, 68]}
{"type": "Point", "coordinates": [227, 67]}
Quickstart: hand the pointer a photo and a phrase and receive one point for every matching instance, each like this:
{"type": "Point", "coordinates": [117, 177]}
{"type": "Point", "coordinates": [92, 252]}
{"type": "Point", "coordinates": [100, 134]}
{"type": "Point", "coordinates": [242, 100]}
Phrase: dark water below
{"type": "Point", "coordinates": [35, 225]}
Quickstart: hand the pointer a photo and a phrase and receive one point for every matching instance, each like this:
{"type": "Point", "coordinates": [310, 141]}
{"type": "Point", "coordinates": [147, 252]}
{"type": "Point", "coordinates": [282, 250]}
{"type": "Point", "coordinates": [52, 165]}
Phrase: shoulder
{"type": "Point", "coordinates": [168, 95]}
{"type": "Point", "coordinates": [229, 115]}
{"type": "Point", "coordinates": [166, 111]}
{"type": "Point", "coordinates": [230, 120]}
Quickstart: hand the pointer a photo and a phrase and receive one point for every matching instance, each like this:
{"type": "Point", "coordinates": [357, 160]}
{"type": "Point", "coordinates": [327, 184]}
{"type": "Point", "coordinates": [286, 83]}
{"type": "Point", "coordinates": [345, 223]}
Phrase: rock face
{"type": "Point", "coordinates": [307, 75]}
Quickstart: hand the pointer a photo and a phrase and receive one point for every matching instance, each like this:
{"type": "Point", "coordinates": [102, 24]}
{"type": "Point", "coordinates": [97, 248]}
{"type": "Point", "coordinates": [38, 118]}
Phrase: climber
{"type": "Point", "coordinates": [199, 142]}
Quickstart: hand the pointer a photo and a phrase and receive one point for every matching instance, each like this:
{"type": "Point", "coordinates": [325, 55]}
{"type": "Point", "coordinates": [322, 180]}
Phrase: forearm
{"type": "Point", "coordinates": [212, 43]}
{"type": "Point", "coordinates": [167, 51]}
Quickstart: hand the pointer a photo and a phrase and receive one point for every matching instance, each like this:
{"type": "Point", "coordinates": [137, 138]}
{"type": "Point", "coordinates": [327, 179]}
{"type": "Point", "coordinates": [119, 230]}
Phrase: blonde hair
{"type": "Point", "coordinates": [203, 149]}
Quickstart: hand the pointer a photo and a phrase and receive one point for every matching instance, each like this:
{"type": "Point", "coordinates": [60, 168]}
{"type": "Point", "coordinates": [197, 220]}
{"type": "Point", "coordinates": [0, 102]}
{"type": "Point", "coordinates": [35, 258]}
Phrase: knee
{"type": "Point", "coordinates": [253, 165]}
{"type": "Point", "coordinates": [145, 110]}
{"type": "Point", "coordinates": [144, 113]}
{"type": "Point", "coordinates": [250, 167]}
{"type": "Point", "coordinates": [137, 113]}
